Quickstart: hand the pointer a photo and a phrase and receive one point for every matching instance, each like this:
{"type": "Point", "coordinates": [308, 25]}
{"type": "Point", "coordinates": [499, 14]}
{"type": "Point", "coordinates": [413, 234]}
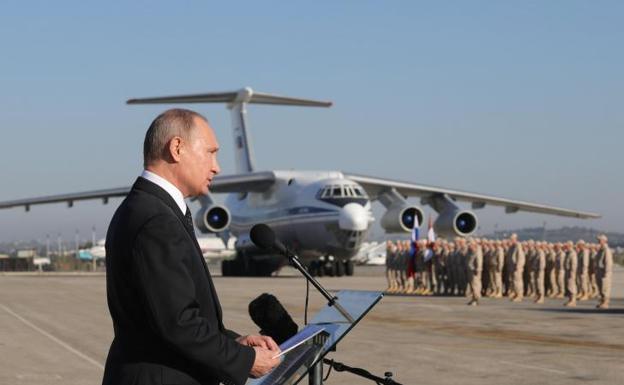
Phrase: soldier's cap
{"type": "Point", "coordinates": [602, 237]}
{"type": "Point", "coordinates": [580, 242]}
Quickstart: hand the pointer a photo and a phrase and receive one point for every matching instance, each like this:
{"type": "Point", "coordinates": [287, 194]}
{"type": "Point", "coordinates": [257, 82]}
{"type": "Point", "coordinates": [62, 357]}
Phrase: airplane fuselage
{"type": "Point", "coordinates": [314, 213]}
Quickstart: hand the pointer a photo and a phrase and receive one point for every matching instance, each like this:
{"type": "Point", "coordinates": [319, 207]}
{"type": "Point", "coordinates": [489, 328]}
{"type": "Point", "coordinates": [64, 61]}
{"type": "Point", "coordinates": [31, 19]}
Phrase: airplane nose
{"type": "Point", "coordinates": [353, 217]}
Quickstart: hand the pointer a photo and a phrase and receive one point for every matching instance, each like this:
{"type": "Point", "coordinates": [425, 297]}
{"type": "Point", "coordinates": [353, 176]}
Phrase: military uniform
{"type": "Point", "coordinates": [486, 274]}
{"type": "Point", "coordinates": [570, 266]}
{"type": "Point", "coordinates": [451, 271]}
{"type": "Point", "coordinates": [582, 275]}
{"type": "Point", "coordinates": [528, 276]}
{"type": "Point", "coordinates": [604, 270]}
{"type": "Point", "coordinates": [499, 259]}
{"type": "Point", "coordinates": [551, 272]}
{"type": "Point", "coordinates": [474, 267]}
{"type": "Point", "coordinates": [462, 255]}
{"type": "Point", "coordinates": [538, 269]}
{"type": "Point", "coordinates": [593, 283]}
{"type": "Point", "coordinates": [560, 273]}
{"type": "Point", "coordinates": [390, 265]}
{"type": "Point", "coordinates": [517, 261]}
{"type": "Point", "coordinates": [440, 258]}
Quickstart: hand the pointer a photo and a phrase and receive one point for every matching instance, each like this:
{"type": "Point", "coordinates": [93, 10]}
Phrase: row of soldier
{"type": "Point", "coordinates": [496, 268]}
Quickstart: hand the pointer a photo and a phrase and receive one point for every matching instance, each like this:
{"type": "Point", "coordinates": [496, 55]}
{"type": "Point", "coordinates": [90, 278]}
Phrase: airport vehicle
{"type": "Point", "coordinates": [324, 216]}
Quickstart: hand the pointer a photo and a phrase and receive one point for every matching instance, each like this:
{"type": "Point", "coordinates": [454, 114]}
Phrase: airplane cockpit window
{"type": "Point", "coordinates": [340, 195]}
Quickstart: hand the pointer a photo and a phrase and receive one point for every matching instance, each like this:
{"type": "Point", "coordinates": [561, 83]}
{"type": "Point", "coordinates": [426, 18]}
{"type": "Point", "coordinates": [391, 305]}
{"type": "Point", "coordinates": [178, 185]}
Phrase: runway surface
{"type": "Point", "coordinates": [55, 329]}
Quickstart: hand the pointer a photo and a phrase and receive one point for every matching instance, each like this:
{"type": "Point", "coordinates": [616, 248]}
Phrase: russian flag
{"type": "Point", "coordinates": [411, 265]}
{"type": "Point", "coordinates": [415, 235]}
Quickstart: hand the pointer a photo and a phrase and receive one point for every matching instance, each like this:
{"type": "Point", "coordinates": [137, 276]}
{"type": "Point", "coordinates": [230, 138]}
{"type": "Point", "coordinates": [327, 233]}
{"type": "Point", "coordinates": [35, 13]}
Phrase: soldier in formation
{"type": "Point", "coordinates": [502, 268]}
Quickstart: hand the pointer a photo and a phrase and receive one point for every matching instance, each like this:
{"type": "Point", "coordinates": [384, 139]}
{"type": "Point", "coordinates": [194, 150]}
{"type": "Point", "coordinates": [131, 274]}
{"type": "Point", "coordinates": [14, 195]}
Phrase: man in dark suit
{"type": "Point", "coordinates": [165, 310]}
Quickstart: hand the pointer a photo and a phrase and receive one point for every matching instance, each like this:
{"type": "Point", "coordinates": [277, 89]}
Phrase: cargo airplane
{"type": "Point", "coordinates": [316, 213]}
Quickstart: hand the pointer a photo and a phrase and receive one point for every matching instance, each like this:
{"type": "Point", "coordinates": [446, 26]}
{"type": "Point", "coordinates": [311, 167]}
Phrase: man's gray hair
{"type": "Point", "coordinates": [174, 122]}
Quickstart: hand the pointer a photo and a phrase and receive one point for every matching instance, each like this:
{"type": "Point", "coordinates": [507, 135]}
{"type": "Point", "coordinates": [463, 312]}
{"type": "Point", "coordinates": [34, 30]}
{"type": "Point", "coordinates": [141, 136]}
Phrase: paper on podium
{"type": "Point", "coordinates": [304, 335]}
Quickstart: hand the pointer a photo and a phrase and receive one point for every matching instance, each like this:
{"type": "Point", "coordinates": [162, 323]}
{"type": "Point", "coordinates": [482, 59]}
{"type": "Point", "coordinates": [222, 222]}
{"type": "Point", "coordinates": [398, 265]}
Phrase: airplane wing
{"type": "Point", "coordinates": [69, 198]}
{"type": "Point", "coordinates": [256, 181]}
{"type": "Point", "coordinates": [375, 186]}
{"type": "Point", "coordinates": [253, 181]}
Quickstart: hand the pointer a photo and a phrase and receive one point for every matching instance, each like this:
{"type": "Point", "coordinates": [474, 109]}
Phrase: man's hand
{"type": "Point", "coordinates": [264, 361]}
{"type": "Point", "coordinates": [265, 342]}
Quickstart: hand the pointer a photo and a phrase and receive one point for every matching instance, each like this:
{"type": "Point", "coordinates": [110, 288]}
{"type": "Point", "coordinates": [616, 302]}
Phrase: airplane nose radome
{"type": "Point", "coordinates": [353, 217]}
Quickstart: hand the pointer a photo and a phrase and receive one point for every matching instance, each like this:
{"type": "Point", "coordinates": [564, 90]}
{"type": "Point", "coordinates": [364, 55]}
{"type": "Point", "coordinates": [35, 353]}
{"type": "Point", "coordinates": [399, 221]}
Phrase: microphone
{"type": "Point", "coordinates": [274, 321]}
{"type": "Point", "coordinates": [264, 237]}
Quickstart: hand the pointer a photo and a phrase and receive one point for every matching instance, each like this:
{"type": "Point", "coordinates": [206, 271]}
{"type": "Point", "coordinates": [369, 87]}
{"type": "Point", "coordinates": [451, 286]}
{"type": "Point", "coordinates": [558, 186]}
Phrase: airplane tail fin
{"type": "Point", "coordinates": [236, 102]}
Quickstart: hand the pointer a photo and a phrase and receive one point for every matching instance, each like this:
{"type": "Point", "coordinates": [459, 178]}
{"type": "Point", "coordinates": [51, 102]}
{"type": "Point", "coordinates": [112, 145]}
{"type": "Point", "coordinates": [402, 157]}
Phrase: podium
{"type": "Point", "coordinates": [307, 357]}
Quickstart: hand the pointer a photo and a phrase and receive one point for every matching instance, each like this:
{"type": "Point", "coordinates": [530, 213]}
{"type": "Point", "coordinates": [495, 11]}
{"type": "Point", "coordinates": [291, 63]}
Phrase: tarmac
{"type": "Point", "coordinates": [56, 329]}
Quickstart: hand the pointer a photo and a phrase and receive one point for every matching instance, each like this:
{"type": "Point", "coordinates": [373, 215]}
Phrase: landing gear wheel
{"type": "Point", "coordinates": [320, 268]}
{"type": "Point", "coordinates": [225, 268]}
{"type": "Point", "coordinates": [312, 268]}
{"type": "Point", "coordinates": [339, 268]}
{"type": "Point", "coordinates": [330, 268]}
{"type": "Point", "coordinates": [349, 268]}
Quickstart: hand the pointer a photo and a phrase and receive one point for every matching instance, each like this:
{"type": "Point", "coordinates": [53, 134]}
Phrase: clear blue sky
{"type": "Point", "coordinates": [516, 99]}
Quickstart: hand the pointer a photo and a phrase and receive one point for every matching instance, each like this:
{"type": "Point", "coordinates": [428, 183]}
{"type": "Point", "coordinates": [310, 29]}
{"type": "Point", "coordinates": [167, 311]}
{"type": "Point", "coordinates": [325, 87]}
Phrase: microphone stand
{"type": "Point", "coordinates": [331, 300]}
{"type": "Point", "coordinates": [340, 367]}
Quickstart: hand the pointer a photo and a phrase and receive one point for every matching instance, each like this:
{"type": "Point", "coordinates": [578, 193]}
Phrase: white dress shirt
{"type": "Point", "coordinates": [169, 187]}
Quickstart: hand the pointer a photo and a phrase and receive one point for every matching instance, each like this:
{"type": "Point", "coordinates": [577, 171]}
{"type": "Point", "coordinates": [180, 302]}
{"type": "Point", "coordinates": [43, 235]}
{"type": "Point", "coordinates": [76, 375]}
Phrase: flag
{"type": "Point", "coordinates": [430, 241]}
{"type": "Point", "coordinates": [411, 265]}
{"type": "Point", "coordinates": [431, 237]}
{"type": "Point", "coordinates": [415, 229]}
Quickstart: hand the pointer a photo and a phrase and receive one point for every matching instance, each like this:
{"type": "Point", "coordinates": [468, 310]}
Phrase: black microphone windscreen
{"type": "Point", "coordinates": [269, 314]}
{"type": "Point", "coordinates": [262, 236]}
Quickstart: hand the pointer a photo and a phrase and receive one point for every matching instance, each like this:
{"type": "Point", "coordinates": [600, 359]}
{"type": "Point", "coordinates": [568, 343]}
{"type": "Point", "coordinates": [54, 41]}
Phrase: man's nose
{"type": "Point", "coordinates": [216, 169]}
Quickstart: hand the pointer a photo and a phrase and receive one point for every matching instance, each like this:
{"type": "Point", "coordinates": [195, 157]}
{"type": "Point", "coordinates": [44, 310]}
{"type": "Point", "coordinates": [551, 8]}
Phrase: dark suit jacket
{"type": "Point", "coordinates": [166, 314]}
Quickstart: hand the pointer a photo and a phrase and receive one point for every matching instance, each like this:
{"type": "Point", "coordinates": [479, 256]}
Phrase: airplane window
{"type": "Point", "coordinates": [337, 191]}
{"type": "Point", "coordinates": [359, 192]}
{"type": "Point", "coordinates": [348, 192]}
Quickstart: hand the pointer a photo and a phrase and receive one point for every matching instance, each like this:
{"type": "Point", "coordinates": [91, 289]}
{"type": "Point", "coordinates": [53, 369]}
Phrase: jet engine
{"type": "Point", "coordinates": [401, 218]}
{"type": "Point", "coordinates": [212, 219]}
{"type": "Point", "coordinates": [455, 222]}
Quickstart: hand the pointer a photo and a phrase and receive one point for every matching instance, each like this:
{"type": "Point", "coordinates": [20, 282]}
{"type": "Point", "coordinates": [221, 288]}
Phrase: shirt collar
{"type": "Point", "coordinates": [169, 187]}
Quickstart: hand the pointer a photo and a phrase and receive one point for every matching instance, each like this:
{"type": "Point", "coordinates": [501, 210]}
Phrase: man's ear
{"type": "Point", "coordinates": [175, 148]}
